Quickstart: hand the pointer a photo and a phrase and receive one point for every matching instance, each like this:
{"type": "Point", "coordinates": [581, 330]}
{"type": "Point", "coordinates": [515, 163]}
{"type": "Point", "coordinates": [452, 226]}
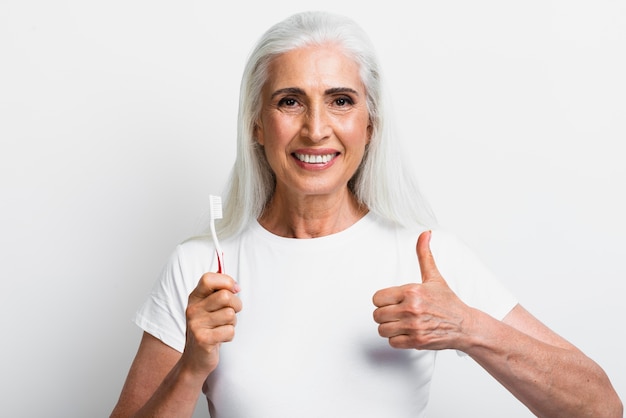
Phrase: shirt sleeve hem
{"type": "Point", "coordinates": [159, 333]}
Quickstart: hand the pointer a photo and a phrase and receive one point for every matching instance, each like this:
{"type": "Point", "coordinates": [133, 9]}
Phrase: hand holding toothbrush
{"type": "Point", "coordinates": [211, 319]}
{"type": "Point", "coordinates": [211, 310]}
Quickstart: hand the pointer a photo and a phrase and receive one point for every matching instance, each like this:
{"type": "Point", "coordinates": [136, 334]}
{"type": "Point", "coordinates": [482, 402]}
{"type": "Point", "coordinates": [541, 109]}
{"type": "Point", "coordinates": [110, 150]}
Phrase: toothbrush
{"type": "Point", "coordinates": [216, 213]}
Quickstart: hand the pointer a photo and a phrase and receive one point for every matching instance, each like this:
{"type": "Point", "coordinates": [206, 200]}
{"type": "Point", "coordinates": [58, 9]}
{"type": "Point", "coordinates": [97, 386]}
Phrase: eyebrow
{"type": "Point", "coordinates": [299, 91]}
{"type": "Point", "coordinates": [288, 90]}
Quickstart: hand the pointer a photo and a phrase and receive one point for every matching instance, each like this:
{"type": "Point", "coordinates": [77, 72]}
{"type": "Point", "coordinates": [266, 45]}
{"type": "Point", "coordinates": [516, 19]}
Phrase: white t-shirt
{"type": "Point", "coordinates": [306, 344]}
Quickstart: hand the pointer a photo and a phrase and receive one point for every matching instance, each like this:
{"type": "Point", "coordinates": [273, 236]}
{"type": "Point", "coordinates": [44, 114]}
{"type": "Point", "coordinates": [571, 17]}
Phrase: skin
{"type": "Point", "coordinates": [163, 382]}
{"type": "Point", "coordinates": [314, 104]}
{"type": "Point", "coordinates": [545, 372]}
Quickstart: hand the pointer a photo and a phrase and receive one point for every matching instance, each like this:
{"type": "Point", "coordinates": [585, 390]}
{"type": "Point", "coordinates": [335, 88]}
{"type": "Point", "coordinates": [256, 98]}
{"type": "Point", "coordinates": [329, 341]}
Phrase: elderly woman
{"type": "Point", "coordinates": [321, 220]}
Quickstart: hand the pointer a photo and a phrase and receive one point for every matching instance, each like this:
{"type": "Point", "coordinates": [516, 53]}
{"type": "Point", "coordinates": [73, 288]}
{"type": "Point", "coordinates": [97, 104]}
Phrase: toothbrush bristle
{"type": "Point", "coordinates": [216, 207]}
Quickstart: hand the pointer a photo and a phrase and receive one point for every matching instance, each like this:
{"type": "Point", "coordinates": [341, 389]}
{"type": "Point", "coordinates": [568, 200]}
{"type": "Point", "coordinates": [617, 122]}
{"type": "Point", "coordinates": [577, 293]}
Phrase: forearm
{"type": "Point", "coordinates": [552, 381]}
{"type": "Point", "coordinates": [176, 396]}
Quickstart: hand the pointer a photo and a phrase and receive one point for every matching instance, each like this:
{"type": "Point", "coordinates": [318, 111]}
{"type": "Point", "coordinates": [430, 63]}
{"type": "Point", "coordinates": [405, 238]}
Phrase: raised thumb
{"type": "Point", "coordinates": [426, 260]}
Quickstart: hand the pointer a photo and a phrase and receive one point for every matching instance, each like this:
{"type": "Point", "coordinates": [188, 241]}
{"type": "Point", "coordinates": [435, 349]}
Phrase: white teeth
{"type": "Point", "coordinates": [314, 159]}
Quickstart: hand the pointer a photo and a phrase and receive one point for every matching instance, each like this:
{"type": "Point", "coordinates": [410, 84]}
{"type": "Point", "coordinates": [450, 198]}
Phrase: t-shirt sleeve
{"type": "Point", "coordinates": [468, 277]}
{"type": "Point", "coordinates": [163, 313]}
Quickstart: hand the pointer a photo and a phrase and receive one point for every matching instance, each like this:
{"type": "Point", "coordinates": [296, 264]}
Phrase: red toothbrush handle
{"type": "Point", "coordinates": [220, 267]}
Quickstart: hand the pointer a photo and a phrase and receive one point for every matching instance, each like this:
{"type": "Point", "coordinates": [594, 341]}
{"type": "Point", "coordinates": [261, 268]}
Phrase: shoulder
{"type": "Point", "coordinates": [194, 248]}
{"type": "Point", "coordinates": [195, 243]}
{"type": "Point", "coordinates": [468, 276]}
{"type": "Point", "coordinates": [189, 258]}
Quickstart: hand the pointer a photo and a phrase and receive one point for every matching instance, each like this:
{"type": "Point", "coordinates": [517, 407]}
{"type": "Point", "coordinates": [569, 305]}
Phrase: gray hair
{"type": "Point", "coordinates": [382, 183]}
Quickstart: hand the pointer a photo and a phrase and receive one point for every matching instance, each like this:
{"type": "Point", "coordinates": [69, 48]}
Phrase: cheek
{"type": "Point", "coordinates": [357, 133]}
{"type": "Point", "coordinates": [276, 132]}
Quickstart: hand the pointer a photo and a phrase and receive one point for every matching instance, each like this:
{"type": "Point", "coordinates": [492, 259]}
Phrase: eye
{"type": "Point", "coordinates": [287, 102]}
{"type": "Point", "coordinates": [343, 101]}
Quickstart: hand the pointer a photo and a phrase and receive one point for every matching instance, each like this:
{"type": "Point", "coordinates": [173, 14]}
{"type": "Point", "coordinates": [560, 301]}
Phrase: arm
{"type": "Point", "coordinates": [153, 362]}
{"type": "Point", "coordinates": [164, 382]}
{"type": "Point", "coordinates": [549, 375]}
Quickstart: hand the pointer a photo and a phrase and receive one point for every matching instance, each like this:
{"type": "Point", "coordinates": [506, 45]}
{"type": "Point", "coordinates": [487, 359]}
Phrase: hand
{"type": "Point", "coordinates": [211, 319]}
{"type": "Point", "coordinates": [423, 316]}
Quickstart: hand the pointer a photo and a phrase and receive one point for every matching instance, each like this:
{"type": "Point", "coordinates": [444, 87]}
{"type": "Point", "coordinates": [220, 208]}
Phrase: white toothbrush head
{"type": "Point", "coordinates": [215, 203]}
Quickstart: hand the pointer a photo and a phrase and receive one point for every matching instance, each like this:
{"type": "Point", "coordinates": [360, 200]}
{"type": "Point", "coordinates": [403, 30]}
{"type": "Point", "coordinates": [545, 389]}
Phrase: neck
{"type": "Point", "coordinates": [311, 216]}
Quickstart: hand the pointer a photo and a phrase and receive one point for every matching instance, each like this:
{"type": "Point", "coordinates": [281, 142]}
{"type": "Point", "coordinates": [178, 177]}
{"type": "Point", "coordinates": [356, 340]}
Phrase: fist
{"type": "Point", "coordinates": [211, 319]}
{"type": "Point", "coordinates": [424, 315]}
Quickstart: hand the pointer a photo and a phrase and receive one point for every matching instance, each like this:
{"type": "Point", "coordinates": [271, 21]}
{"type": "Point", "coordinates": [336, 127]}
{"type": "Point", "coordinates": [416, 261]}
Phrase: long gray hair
{"type": "Point", "coordinates": [382, 183]}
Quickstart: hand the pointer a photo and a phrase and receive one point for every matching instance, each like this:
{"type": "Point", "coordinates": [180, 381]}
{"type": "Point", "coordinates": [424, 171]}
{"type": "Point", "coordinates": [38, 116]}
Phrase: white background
{"type": "Point", "coordinates": [117, 120]}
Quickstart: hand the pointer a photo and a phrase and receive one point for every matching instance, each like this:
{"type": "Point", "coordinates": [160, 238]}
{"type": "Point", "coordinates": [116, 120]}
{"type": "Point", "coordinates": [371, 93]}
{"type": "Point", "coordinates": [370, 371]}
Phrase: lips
{"type": "Point", "coordinates": [315, 158]}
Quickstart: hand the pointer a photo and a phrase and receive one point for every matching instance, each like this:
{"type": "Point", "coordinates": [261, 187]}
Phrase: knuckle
{"type": "Point", "coordinates": [396, 342]}
{"type": "Point", "coordinates": [191, 312]}
{"type": "Point", "coordinates": [414, 306]}
{"type": "Point", "coordinates": [205, 279]}
{"type": "Point", "coordinates": [230, 316]}
{"type": "Point", "coordinates": [376, 316]}
{"type": "Point", "coordinates": [385, 331]}
{"type": "Point", "coordinates": [227, 333]}
{"type": "Point", "coordinates": [222, 297]}
{"type": "Point", "coordinates": [413, 290]}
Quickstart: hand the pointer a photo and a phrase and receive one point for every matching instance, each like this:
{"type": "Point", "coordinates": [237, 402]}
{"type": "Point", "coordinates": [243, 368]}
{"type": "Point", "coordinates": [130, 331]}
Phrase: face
{"type": "Point", "coordinates": [314, 123]}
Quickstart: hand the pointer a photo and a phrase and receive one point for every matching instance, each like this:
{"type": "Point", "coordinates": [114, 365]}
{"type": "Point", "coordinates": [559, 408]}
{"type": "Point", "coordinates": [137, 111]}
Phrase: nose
{"type": "Point", "coordinates": [316, 126]}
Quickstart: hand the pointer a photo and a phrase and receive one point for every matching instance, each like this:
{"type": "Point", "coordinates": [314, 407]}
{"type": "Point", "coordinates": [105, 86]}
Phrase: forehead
{"type": "Point", "coordinates": [325, 65]}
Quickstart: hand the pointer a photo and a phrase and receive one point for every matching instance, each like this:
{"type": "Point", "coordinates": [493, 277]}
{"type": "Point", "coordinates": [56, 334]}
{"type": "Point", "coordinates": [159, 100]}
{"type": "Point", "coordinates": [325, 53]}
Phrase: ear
{"type": "Point", "coordinates": [257, 133]}
{"type": "Point", "coordinates": [370, 130]}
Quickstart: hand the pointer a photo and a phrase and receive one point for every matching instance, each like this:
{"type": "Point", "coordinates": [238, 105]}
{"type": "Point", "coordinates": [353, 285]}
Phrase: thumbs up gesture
{"type": "Point", "coordinates": [426, 315]}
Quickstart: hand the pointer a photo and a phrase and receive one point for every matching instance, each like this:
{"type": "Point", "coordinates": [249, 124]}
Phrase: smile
{"type": "Point", "coordinates": [315, 159]}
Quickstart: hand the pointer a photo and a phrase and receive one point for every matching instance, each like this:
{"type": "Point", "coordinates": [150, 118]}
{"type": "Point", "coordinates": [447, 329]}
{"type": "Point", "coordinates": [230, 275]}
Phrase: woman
{"type": "Point", "coordinates": [321, 220]}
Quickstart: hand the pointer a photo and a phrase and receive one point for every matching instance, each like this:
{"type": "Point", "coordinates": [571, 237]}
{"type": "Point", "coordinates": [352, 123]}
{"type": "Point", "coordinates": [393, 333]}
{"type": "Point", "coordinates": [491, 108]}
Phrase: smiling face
{"type": "Point", "coordinates": [314, 123]}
